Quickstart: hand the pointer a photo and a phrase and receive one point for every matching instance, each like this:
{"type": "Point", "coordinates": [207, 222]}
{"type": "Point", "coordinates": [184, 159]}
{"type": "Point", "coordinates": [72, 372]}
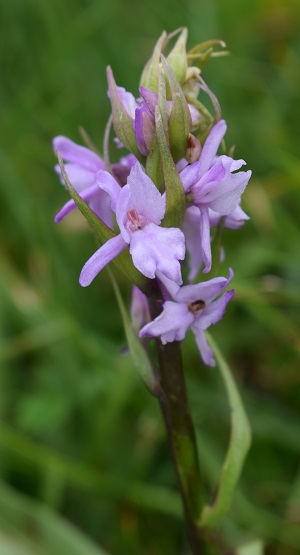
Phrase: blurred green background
{"type": "Point", "coordinates": [84, 464]}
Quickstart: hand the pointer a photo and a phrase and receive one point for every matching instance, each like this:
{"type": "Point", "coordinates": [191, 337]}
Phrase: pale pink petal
{"type": "Point", "coordinates": [122, 210]}
{"type": "Point", "coordinates": [224, 197]}
{"type": "Point", "coordinates": [204, 349]}
{"type": "Point", "coordinates": [195, 116]}
{"type": "Point", "coordinates": [213, 312]}
{"type": "Point", "coordinates": [128, 160]}
{"type": "Point", "coordinates": [194, 172]}
{"type": "Point", "coordinates": [144, 127]}
{"type": "Point", "coordinates": [107, 183]}
{"type": "Point", "coordinates": [192, 234]}
{"type": "Point", "coordinates": [237, 164]}
{"type": "Point", "coordinates": [171, 325]}
{"type": "Point", "coordinates": [205, 239]}
{"type": "Point", "coordinates": [128, 101]}
{"type": "Point", "coordinates": [216, 173]}
{"type": "Point", "coordinates": [100, 204]}
{"type": "Point", "coordinates": [169, 287]}
{"type": "Point", "coordinates": [139, 308]}
{"type": "Point", "coordinates": [211, 146]}
{"type": "Point", "coordinates": [158, 248]}
{"type": "Point", "coordinates": [205, 291]}
{"type": "Point", "coordinates": [79, 177]}
{"type": "Point", "coordinates": [183, 163]}
{"type": "Point", "coordinates": [233, 220]}
{"type": "Point", "coordinates": [100, 259]}
{"type": "Point", "coordinates": [86, 195]}
{"type": "Point", "coordinates": [150, 97]}
{"type": "Point", "coordinates": [189, 175]}
{"type": "Point", "coordinates": [145, 198]}
{"type": "Point", "coordinates": [71, 152]}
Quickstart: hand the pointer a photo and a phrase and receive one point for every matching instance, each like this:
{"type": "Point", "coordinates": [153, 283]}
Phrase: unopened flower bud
{"type": "Point", "coordinates": [144, 125]}
{"type": "Point", "coordinates": [123, 106]}
{"type": "Point", "coordinates": [177, 58]}
{"type": "Point", "coordinates": [180, 121]}
{"type": "Point", "coordinates": [149, 78]}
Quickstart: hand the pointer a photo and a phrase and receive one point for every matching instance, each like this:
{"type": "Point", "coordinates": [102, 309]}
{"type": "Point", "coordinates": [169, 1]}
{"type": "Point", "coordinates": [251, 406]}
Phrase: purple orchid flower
{"type": "Point", "coordinates": [139, 209]}
{"type": "Point", "coordinates": [192, 231]}
{"type": "Point", "coordinates": [195, 307]}
{"type": "Point", "coordinates": [82, 166]}
{"type": "Point", "coordinates": [214, 184]}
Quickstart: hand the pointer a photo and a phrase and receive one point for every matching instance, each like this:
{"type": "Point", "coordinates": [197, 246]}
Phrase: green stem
{"type": "Point", "coordinates": [172, 396]}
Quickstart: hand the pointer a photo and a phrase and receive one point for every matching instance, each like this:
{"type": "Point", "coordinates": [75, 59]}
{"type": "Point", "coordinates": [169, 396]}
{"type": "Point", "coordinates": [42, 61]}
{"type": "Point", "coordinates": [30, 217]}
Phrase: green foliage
{"type": "Point", "coordinates": [50, 534]}
{"type": "Point", "coordinates": [79, 434]}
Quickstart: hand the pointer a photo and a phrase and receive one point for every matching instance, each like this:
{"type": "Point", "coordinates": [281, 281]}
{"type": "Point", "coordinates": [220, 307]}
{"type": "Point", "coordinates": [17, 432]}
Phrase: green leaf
{"type": "Point", "coordinates": [122, 121]}
{"type": "Point", "coordinates": [31, 528]}
{"type": "Point", "coordinates": [176, 203]}
{"type": "Point", "coordinates": [254, 548]}
{"type": "Point", "coordinates": [123, 261]}
{"type": "Point", "coordinates": [239, 444]}
{"type": "Point", "coordinates": [140, 357]}
{"type": "Point", "coordinates": [180, 123]}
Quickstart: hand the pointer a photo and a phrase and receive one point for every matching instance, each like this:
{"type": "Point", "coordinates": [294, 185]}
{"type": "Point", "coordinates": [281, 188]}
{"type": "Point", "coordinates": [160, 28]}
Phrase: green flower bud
{"type": "Point", "coordinates": [180, 123]}
{"type": "Point", "coordinates": [177, 58]}
{"type": "Point", "coordinates": [149, 78]}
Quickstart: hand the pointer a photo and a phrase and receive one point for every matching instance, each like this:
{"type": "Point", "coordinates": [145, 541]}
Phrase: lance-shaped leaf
{"type": "Point", "coordinates": [122, 121]}
{"type": "Point", "coordinates": [104, 233]}
{"type": "Point", "coordinates": [177, 59]}
{"type": "Point", "coordinates": [140, 357]}
{"type": "Point", "coordinates": [176, 203]}
{"type": "Point", "coordinates": [180, 122]}
{"type": "Point", "coordinates": [149, 78]}
{"type": "Point", "coordinates": [239, 444]}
